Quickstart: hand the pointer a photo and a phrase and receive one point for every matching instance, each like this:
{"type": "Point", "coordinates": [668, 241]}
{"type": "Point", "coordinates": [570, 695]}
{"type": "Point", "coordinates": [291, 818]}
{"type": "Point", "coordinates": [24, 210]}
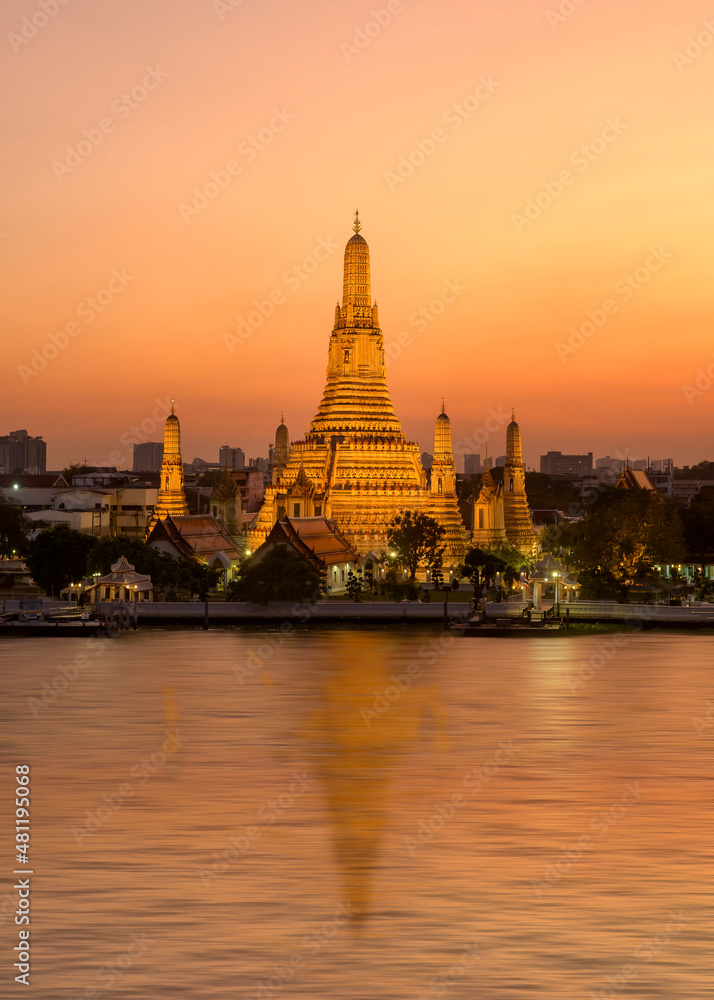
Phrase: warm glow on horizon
{"type": "Point", "coordinates": [535, 189]}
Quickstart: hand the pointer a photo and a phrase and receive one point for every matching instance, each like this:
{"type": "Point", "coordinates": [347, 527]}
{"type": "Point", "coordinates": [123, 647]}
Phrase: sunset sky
{"type": "Point", "coordinates": [544, 158]}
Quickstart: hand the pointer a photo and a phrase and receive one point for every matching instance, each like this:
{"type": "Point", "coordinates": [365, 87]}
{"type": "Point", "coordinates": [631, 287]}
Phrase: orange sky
{"type": "Point", "coordinates": [332, 123]}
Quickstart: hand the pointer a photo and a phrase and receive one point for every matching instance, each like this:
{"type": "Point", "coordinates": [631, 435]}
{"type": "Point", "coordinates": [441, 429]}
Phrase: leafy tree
{"type": "Point", "coordinates": [625, 533]}
{"type": "Point", "coordinates": [14, 527]}
{"type": "Point", "coordinates": [702, 470]}
{"type": "Point", "coordinates": [280, 575]}
{"type": "Point", "coordinates": [168, 574]}
{"type": "Point", "coordinates": [481, 566]}
{"type": "Point", "coordinates": [698, 521]}
{"type": "Point", "coordinates": [58, 557]}
{"type": "Point", "coordinates": [77, 469]}
{"type": "Point", "coordinates": [416, 538]}
{"type": "Point", "coordinates": [355, 582]}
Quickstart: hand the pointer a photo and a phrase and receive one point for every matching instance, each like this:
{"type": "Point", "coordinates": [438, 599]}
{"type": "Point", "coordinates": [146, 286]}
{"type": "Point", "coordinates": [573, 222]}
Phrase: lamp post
{"type": "Point", "coordinates": [556, 606]}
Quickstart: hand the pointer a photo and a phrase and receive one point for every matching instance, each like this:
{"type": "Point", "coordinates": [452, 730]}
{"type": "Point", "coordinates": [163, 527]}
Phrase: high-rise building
{"type": "Point", "coordinates": [472, 465]}
{"type": "Point", "coordinates": [172, 499]}
{"type": "Point", "coordinates": [21, 453]}
{"type": "Point", "coordinates": [555, 463]}
{"type": "Point", "coordinates": [148, 456]}
{"type": "Point", "coordinates": [355, 464]}
{"type": "Point", "coordinates": [235, 457]}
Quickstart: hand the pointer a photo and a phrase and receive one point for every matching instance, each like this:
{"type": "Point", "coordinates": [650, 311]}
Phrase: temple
{"type": "Point", "coordinates": [501, 515]}
{"type": "Point", "coordinates": [355, 465]}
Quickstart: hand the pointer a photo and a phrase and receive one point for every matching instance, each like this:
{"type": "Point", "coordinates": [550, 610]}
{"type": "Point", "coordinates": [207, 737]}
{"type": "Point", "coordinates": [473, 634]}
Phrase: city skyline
{"type": "Point", "coordinates": [533, 185]}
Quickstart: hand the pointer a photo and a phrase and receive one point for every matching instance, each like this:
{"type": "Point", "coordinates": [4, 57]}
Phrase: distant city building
{"type": "Point", "coordinates": [234, 456]}
{"type": "Point", "coordinates": [148, 456]}
{"type": "Point", "coordinates": [664, 465]}
{"type": "Point", "coordinates": [555, 463]}
{"type": "Point", "coordinates": [472, 465]}
{"type": "Point", "coordinates": [258, 463]}
{"type": "Point", "coordinates": [500, 462]}
{"type": "Point", "coordinates": [21, 453]}
{"type": "Point", "coordinates": [427, 461]}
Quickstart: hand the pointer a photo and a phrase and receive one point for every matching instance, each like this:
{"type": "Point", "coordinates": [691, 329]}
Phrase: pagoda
{"type": "Point", "coordinates": [355, 464]}
{"type": "Point", "coordinates": [172, 499]}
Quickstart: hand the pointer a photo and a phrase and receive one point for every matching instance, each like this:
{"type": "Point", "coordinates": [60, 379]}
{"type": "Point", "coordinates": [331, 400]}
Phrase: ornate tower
{"type": "Point", "coordinates": [282, 450]}
{"type": "Point", "coordinates": [443, 505]}
{"type": "Point", "coordinates": [172, 500]}
{"type": "Point", "coordinates": [225, 502]}
{"type": "Point", "coordinates": [488, 529]}
{"type": "Point", "coordinates": [519, 526]}
{"type": "Point", "coordinates": [355, 464]}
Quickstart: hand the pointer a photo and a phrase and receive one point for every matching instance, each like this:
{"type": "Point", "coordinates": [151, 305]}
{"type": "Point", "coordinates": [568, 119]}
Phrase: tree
{"type": "Point", "coordinates": [58, 557]}
{"type": "Point", "coordinates": [355, 583]}
{"type": "Point", "coordinates": [13, 530]}
{"type": "Point", "coordinates": [698, 521]}
{"type": "Point", "coordinates": [77, 469]}
{"type": "Point", "coordinates": [623, 536]}
{"type": "Point", "coordinates": [280, 575]}
{"type": "Point", "coordinates": [481, 566]}
{"type": "Point", "coordinates": [416, 538]}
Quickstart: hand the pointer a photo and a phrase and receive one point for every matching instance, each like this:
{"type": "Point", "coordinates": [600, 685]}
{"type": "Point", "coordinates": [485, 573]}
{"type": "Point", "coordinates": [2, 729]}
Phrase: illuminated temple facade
{"type": "Point", "coordinates": [355, 464]}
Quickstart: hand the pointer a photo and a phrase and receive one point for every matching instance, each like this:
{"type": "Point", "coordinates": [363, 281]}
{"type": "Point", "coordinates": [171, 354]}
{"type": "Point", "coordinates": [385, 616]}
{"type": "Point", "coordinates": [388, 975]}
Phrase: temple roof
{"type": "Point", "coordinates": [199, 536]}
{"type": "Point", "coordinates": [123, 572]}
{"type": "Point", "coordinates": [318, 539]}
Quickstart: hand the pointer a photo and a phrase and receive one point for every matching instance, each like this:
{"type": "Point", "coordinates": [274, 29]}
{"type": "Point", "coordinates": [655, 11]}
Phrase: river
{"type": "Point", "coordinates": [362, 815]}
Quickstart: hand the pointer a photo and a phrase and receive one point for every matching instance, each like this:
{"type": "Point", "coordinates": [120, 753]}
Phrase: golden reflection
{"type": "Point", "coordinates": [172, 743]}
{"type": "Point", "coordinates": [371, 714]}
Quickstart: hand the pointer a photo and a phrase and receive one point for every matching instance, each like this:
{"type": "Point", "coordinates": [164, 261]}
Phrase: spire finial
{"type": "Point", "coordinates": [357, 225]}
{"type": "Point", "coordinates": [513, 415]}
{"type": "Point", "coordinates": [172, 406]}
{"type": "Point", "coordinates": [443, 405]}
{"type": "Point", "coordinates": [282, 416]}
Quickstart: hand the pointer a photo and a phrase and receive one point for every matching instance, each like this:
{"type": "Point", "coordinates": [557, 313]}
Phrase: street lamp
{"type": "Point", "coordinates": [555, 595]}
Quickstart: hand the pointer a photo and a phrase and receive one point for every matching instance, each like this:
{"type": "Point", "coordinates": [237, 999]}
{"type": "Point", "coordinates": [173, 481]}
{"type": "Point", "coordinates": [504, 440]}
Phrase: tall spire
{"type": "Point", "coordinates": [357, 225]}
{"type": "Point", "coordinates": [356, 290]}
{"type": "Point", "coordinates": [171, 499]}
